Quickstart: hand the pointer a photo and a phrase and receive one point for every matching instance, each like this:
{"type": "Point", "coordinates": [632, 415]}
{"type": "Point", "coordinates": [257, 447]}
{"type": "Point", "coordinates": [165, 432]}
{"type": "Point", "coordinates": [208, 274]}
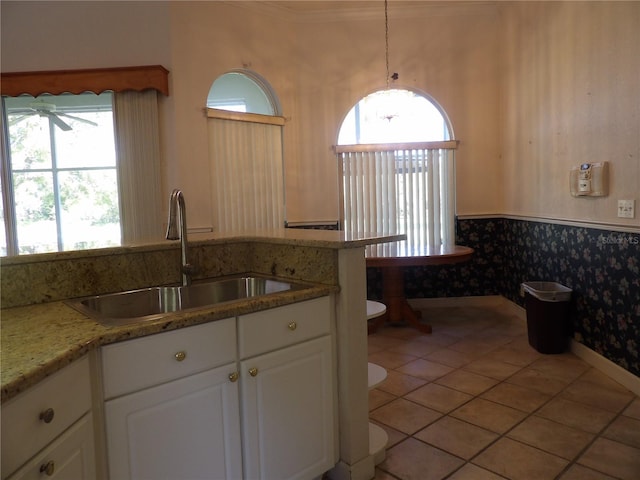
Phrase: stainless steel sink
{"type": "Point", "coordinates": [146, 304]}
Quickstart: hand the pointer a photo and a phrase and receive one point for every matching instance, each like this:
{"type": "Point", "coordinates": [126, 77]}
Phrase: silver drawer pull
{"type": "Point", "coordinates": [180, 356]}
{"type": "Point", "coordinates": [47, 415]}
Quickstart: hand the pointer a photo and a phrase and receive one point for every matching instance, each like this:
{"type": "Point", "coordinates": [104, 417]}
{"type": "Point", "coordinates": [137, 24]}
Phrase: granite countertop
{"type": "Point", "coordinates": [40, 339]}
{"type": "Point", "coordinates": [40, 334]}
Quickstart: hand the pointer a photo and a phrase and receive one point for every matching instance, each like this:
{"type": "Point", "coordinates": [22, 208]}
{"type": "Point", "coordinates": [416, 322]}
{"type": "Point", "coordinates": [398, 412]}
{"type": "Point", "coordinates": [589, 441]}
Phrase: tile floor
{"type": "Point", "coordinates": [474, 401]}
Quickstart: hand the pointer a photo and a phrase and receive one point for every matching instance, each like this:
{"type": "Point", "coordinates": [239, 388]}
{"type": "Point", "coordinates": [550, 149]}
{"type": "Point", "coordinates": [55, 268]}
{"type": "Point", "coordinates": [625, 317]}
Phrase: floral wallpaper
{"type": "Point", "coordinates": [602, 268]}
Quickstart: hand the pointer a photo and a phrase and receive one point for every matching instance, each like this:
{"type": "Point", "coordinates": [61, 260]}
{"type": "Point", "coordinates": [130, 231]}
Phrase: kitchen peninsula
{"type": "Point", "coordinates": [42, 335]}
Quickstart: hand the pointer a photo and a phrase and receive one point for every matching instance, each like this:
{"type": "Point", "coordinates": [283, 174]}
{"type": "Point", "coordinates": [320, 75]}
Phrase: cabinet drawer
{"type": "Point", "coordinates": [34, 418]}
{"type": "Point", "coordinates": [279, 327]}
{"type": "Point", "coordinates": [70, 456]}
{"type": "Point", "coordinates": [147, 361]}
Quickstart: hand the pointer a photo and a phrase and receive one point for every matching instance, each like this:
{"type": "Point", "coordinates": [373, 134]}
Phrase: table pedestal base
{"type": "Point", "coordinates": [399, 311]}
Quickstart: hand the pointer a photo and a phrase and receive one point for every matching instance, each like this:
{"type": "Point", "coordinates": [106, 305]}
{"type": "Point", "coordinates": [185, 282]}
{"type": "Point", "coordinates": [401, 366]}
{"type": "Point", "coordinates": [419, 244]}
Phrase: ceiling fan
{"type": "Point", "coordinates": [48, 110]}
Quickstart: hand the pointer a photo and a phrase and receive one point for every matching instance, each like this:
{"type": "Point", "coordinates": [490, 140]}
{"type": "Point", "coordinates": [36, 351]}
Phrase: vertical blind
{"type": "Point", "coordinates": [247, 171]}
{"type": "Point", "coordinates": [137, 136]}
{"type": "Point", "coordinates": [400, 189]}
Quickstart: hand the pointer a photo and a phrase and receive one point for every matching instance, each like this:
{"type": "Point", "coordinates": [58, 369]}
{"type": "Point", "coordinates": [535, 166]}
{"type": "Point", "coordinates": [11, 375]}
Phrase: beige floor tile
{"type": "Point", "coordinates": [597, 396]}
{"type": "Point", "coordinates": [576, 415]}
{"type": "Point", "coordinates": [566, 366]}
{"type": "Point", "coordinates": [515, 356]}
{"type": "Point", "coordinates": [382, 341]}
{"type": "Point", "coordinates": [476, 387]}
{"type": "Point", "coordinates": [416, 347]}
{"type": "Point", "coordinates": [414, 460]}
{"type": "Point", "coordinates": [578, 472]}
{"type": "Point", "coordinates": [492, 416]}
{"type": "Point", "coordinates": [377, 398]}
{"type": "Point", "coordinates": [389, 359]}
{"type": "Point", "coordinates": [400, 384]}
{"type": "Point", "coordinates": [470, 345]}
{"type": "Point", "coordinates": [405, 416]}
{"type": "Point", "coordinates": [552, 437]}
{"type": "Point", "coordinates": [492, 368]}
{"type": "Point", "coordinates": [453, 358]}
{"type": "Point", "coordinates": [401, 332]}
{"type": "Point", "coordinates": [624, 430]}
{"type": "Point", "coordinates": [442, 399]}
{"type": "Point", "coordinates": [382, 475]}
{"type": "Point", "coordinates": [633, 410]}
{"type": "Point", "coordinates": [517, 461]}
{"type": "Point", "coordinates": [595, 376]}
{"type": "Point", "coordinates": [516, 396]}
{"type": "Point", "coordinates": [537, 380]}
{"type": "Point", "coordinates": [425, 369]}
{"type": "Point", "coordinates": [442, 339]}
{"type": "Point", "coordinates": [473, 472]}
{"type": "Point", "coordinates": [457, 437]}
{"type": "Point", "coordinates": [394, 436]}
{"type": "Point", "coordinates": [613, 458]}
{"type": "Point", "coordinates": [467, 382]}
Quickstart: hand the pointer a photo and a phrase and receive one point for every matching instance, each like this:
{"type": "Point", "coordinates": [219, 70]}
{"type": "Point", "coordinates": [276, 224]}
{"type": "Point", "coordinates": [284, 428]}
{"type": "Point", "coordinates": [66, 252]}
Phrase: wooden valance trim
{"type": "Point", "coordinates": [392, 147]}
{"type": "Point", "coordinates": [244, 116]}
{"type": "Point", "coordinates": [95, 80]}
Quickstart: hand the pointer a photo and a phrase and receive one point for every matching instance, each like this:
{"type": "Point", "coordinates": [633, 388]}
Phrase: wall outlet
{"type": "Point", "coordinates": [626, 208]}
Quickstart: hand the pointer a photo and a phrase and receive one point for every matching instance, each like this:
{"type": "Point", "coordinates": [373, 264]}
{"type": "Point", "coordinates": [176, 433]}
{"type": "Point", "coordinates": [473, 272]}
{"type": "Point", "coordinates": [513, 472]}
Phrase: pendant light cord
{"type": "Point", "coordinates": [386, 38]}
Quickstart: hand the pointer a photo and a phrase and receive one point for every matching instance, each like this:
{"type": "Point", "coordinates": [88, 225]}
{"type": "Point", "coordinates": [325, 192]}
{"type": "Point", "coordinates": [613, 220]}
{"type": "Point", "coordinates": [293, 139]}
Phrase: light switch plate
{"type": "Point", "coordinates": [626, 208]}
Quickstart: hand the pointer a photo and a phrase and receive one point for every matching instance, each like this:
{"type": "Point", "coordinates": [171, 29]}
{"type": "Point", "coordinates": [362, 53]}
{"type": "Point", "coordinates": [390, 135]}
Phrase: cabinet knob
{"type": "Point", "coordinates": [233, 376]}
{"type": "Point", "coordinates": [180, 356]}
{"type": "Point", "coordinates": [48, 468]}
{"type": "Point", "coordinates": [253, 372]}
{"type": "Point", "coordinates": [47, 415]}
{"type": "Point", "coordinates": [292, 326]}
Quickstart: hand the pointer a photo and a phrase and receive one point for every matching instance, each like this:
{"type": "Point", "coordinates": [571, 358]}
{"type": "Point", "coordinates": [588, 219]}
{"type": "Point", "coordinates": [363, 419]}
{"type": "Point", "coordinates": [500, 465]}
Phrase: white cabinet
{"type": "Point", "coordinates": [70, 456]}
{"type": "Point", "coordinates": [187, 425]}
{"type": "Point", "coordinates": [213, 402]}
{"type": "Point", "coordinates": [288, 392]}
{"type": "Point", "coordinates": [186, 429]}
{"type": "Point", "coordinates": [287, 409]}
{"type": "Point", "coordinates": [50, 427]}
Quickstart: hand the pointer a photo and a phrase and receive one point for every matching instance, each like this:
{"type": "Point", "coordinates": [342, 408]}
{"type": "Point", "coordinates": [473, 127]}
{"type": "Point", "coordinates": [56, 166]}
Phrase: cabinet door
{"type": "Point", "coordinates": [288, 414]}
{"type": "Point", "coordinates": [70, 456]}
{"type": "Point", "coordinates": [186, 429]}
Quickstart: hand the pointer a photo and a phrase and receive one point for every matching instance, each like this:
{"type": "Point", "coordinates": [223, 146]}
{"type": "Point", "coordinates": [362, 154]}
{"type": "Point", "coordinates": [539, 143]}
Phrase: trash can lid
{"type": "Point", "coordinates": [548, 291]}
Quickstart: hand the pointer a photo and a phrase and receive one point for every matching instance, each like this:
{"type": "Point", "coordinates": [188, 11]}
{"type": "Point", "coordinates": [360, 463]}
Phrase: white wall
{"type": "Point", "coordinates": [319, 67]}
{"type": "Point", "coordinates": [531, 88]}
{"type": "Point", "coordinates": [572, 95]}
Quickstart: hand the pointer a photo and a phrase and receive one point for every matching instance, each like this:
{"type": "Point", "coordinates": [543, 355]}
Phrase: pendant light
{"type": "Point", "coordinates": [390, 112]}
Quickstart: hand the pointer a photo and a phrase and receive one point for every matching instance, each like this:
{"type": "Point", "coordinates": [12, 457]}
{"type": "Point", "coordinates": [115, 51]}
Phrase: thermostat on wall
{"type": "Point", "coordinates": [589, 180]}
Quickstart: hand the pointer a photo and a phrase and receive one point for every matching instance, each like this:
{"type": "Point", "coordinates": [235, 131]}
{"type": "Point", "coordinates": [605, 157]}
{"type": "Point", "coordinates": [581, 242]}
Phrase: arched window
{"type": "Point", "coordinates": [396, 159]}
{"type": "Point", "coordinates": [243, 91]}
{"type": "Point", "coordinates": [245, 152]}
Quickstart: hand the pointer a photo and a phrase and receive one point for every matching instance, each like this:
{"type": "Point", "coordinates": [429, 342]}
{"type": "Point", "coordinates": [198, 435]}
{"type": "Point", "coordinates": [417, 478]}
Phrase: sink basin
{"type": "Point", "coordinates": [146, 304]}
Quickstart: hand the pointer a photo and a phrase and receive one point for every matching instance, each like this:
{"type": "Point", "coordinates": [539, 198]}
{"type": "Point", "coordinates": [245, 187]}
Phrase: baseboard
{"type": "Point", "coordinates": [603, 364]}
{"type": "Point", "coordinates": [606, 366]}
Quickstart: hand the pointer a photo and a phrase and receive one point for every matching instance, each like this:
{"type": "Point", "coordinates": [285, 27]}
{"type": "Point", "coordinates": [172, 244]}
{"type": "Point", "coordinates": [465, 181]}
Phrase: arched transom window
{"type": "Point", "coordinates": [396, 159]}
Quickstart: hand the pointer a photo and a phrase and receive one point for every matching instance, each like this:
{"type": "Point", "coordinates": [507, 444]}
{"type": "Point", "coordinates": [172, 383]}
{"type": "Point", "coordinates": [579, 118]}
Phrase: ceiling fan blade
{"type": "Point", "coordinates": [79, 119]}
{"type": "Point", "coordinates": [16, 120]}
{"type": "Point", "coordinates": [59, 122]}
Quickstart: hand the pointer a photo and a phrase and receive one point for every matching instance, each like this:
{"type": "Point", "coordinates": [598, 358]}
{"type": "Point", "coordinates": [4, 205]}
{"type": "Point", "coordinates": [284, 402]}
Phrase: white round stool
{"type": "Point", "coordinates": [378, 438]}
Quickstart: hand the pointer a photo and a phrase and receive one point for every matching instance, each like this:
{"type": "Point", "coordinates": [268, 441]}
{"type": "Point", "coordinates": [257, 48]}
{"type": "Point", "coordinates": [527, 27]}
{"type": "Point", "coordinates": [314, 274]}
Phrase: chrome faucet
{"type": "Point", "coordinates": [177, 209]}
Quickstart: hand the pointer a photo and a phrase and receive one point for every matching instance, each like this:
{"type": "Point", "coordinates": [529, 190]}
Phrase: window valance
{"type": "Point", "coordinates": [97, 80]}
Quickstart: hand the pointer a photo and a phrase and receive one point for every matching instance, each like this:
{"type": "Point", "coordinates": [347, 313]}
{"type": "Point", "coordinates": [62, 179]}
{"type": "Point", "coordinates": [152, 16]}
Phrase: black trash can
{"type": "Point", "coordinates": [547, 305]}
